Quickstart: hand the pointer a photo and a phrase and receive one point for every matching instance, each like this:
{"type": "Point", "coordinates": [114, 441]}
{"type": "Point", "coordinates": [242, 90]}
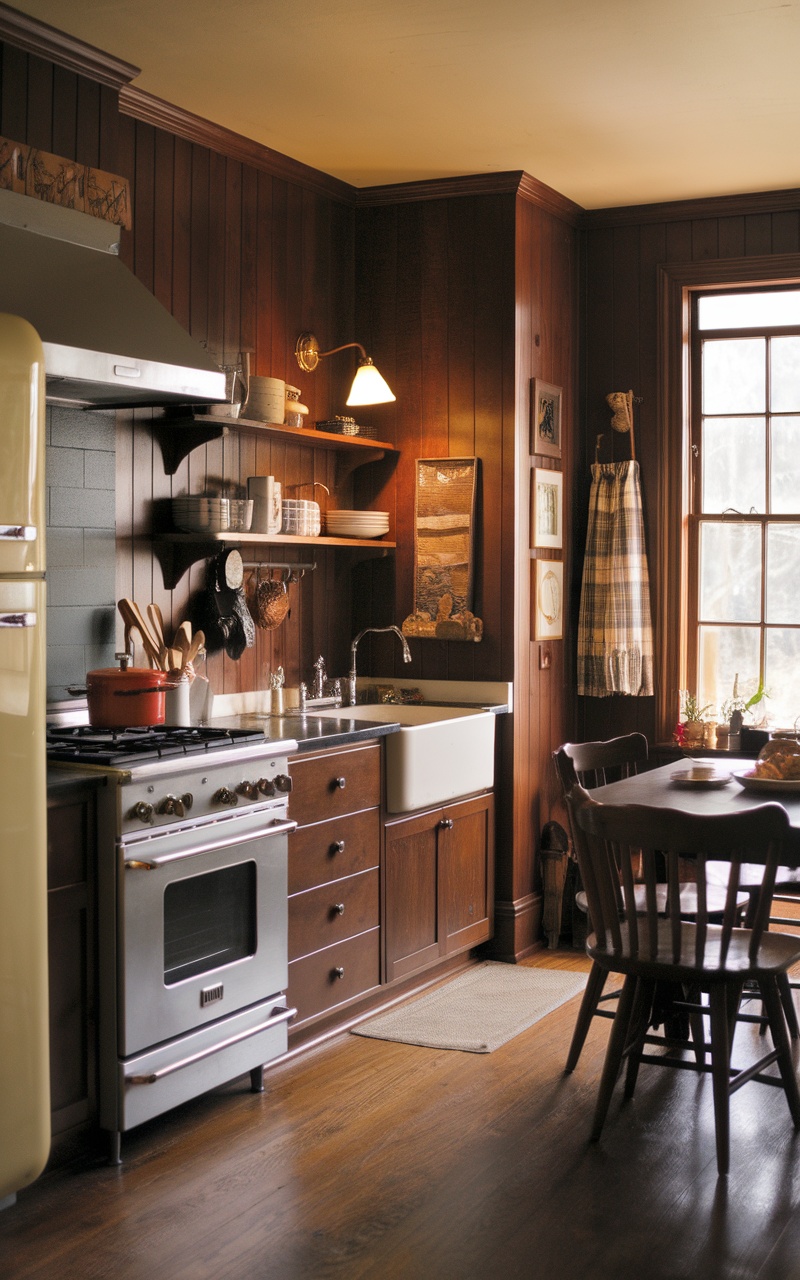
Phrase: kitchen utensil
{"type": "Point", "coordinates": [157, 622]}
{"type": "Point", "coordinates": [132, 617]}
{"type": "Point", "coordinates": [272, 603]}
{"type": "Point", "coordinates": [125, 697]}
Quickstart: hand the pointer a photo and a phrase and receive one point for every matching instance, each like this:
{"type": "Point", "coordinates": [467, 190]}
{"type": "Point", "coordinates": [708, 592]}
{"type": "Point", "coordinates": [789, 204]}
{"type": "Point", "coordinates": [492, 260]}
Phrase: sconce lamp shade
{"type": "Point", "coordinates": [368, 385]}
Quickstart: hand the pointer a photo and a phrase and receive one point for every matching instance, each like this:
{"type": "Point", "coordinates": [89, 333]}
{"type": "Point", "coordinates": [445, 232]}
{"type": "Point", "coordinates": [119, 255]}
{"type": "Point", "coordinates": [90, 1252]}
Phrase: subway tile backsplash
{"type": "Point", "coordinates": [80, 478]}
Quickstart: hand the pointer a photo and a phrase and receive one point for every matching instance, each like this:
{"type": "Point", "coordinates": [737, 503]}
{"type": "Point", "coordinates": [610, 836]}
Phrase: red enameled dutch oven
{"type": "Point", "coordinates": [126, 699]}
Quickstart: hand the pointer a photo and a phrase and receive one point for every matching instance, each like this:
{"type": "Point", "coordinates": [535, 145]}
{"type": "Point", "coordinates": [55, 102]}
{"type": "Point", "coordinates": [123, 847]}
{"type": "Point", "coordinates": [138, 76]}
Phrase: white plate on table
{"type": "Point", "coordinates": [747, 779]}
{"type": "Point", "coordinates": [699, 778]}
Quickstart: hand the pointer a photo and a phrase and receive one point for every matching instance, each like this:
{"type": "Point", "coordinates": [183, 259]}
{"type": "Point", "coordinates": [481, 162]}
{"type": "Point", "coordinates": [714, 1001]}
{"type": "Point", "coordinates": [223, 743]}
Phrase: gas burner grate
{"type": "Point", "coordinates": [126, 746]}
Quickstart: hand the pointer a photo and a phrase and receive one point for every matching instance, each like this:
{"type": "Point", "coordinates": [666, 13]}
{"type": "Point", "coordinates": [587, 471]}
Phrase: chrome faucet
{"type": "Point", "coordinates": [351, 679]}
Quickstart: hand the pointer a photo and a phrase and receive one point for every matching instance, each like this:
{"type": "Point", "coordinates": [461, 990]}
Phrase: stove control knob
{"type": "Point", "coordinates": [283, 782]}
{"type": "Point", "coordinates": [225, 796]}
{"type": "Point", "coordinates": [248, 789]}
{"type": "Point", "coordinates": [266, 786]}
{"type": "Point", "coordinates": [172, 805]}
{"type": "Point", "coordinates": [143, 811]}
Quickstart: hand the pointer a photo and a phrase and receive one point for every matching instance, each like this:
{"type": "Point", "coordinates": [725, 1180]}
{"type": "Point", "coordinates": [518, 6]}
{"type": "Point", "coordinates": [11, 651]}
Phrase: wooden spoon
{"type": "Point", "coordinates": [157, 619]}
{"type": "Point", "coordinates": [132, 617]}
{"type": "Point", "coordinates": [198, 643]}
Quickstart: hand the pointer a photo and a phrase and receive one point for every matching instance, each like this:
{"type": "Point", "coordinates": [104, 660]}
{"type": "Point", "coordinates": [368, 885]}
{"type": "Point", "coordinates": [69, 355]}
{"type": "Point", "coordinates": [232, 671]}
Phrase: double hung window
{"type": "Point", "coordinates": [744, 504]}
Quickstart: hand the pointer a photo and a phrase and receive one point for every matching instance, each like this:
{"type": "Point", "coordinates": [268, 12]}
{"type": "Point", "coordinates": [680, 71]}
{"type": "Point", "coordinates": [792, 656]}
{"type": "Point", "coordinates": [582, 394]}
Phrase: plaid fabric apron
{"type": "Point", "coordinates": [615, 635]}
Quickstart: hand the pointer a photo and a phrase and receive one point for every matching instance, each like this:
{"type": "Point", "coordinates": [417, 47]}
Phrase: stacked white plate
{"type": "Point", "coordinates": [198, 514]}
{"type": "Point", "coordinates": [357, 524]}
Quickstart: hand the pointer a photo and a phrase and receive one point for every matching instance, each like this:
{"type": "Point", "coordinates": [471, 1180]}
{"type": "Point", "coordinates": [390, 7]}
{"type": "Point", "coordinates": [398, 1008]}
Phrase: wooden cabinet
{"type": "Point", "coordinates": [72, 949]}
{"type": "Point", "coordinates": [439, 869]}
{"type": "Point", "coordinates": [334, 879]}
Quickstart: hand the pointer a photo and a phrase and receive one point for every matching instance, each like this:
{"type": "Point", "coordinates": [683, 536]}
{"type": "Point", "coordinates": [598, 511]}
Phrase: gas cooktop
{"type": "Point", "coordinates": [113, 747]}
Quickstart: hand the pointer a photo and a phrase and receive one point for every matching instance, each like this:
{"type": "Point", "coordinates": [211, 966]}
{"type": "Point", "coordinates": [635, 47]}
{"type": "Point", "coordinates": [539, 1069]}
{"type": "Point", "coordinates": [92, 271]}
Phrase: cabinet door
{"type": "Point", "coordinates": [466, 873]}
{"type": "Point", "coordinates": [412, 895]}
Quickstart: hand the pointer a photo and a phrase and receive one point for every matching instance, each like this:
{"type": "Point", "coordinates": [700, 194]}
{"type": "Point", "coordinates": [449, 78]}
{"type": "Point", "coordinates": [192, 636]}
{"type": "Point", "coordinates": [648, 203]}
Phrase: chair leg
{"type": "Point", "coordinates": [641, 1017]}
{"type": "Point", "coordinates": [589, 1003]}
{"type": "Point", "coordinates": [616, 1047]}
{"type": "Point", "coordinates": [788, 1005]}
{"type": "Point", "coordinates": [720, 1065]}
{"type": "Point", "coordinates": [695, 995]}
{"type": "Point", "coordinates": [770, 991]}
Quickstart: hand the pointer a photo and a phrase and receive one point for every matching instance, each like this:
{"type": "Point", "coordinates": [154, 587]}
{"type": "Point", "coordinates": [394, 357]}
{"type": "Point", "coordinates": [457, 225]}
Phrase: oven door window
{"type": "Point", "coordinates": [209, 921]}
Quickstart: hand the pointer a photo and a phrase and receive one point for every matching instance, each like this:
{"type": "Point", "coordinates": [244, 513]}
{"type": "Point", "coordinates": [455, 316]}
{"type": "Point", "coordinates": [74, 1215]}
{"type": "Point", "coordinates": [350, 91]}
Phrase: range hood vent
{"type": "Point", "coordinates": [108, 343]}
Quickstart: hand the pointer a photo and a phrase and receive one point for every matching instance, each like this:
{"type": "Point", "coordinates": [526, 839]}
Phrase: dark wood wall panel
{"type": "Point", "coordinates": [621, 351]}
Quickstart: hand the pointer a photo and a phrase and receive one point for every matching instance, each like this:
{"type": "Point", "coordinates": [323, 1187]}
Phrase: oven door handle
{"type": "Point", "coordinates": [277, 828]}
{"type": "Point", "coordinates": [274, 1020]}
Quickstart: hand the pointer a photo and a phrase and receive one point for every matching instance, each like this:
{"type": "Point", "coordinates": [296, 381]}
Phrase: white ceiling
{"type": "Point", "coordinates": [610, 102]}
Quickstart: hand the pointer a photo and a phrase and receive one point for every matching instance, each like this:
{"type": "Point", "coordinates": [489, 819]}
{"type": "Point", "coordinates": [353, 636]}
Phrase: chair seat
{"type": "Point", "coordinates": [775, 955]}
{"type": "Point", "coordinates": [715, 899]}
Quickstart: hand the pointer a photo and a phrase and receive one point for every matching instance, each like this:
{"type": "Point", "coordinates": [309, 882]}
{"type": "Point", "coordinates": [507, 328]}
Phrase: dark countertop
{"type": "Point", "coordinates": [311, 733]}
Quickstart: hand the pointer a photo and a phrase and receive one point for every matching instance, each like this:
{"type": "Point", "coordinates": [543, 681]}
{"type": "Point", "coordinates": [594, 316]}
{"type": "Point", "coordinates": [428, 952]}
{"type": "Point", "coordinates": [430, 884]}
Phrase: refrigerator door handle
{"type": "Point", "coordinates": [18, 532]}
{"type": "Point", "coordinates": [17, 619]}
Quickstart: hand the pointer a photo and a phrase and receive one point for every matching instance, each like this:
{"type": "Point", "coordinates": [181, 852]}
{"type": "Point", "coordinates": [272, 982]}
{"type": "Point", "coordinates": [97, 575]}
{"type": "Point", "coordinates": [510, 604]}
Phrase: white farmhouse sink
{"type": "Point", "coordinates": [438, 754]}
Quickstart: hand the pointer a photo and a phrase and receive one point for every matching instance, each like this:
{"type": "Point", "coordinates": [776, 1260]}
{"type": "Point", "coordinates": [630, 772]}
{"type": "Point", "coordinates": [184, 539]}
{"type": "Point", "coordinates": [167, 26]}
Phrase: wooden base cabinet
{"type": "Point", "coordinates": [334, 880]}
{"type": "Point", "coordinates": [439, 884]}
{"type": "Point", "coordinates": [72, 965]}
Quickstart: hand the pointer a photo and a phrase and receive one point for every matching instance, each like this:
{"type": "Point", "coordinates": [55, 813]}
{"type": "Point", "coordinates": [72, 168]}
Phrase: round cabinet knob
{"type": "Point", "coordinates": [446, 824]}
{"type": "Point", "coordinates": [266, 786]}
{"type": "Point", "coordinates": [225, 796]}
{"type": "Point", "coordinates": [248, 789]}
{"type": "Point", "coordinates": [337, 909]}
{"type": "Point", "coordinates": [172, 805]}
{"type": "Point", "coordinates": [337, 846]}
{"type": "Point", "coordinates": [341, 783]}
{"type": "Point", "coordinates": [142, 811]}
{"type": "Point", "coordinates": [338, 972]}
{"type": "Point", "coordinates": [283, 782]}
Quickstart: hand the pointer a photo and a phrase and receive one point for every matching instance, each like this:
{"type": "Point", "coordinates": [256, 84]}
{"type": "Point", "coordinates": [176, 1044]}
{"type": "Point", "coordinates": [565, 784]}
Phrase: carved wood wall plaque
{"type": "Point", "coordinates": [33, 172]}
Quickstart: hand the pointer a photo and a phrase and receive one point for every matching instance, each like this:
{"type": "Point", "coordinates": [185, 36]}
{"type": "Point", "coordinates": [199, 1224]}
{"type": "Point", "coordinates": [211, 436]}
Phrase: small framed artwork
{"type": "Point", "coordinates": [547, 517]}
{"type": "Point", "coordinates": [545, 419]}
{"type": "Point", "coordinates": [549, 603]}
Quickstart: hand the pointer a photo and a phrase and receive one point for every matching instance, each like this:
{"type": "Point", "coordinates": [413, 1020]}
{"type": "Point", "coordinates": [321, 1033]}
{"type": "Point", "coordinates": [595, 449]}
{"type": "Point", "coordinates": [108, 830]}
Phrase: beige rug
{"type": "Point", "coordinates": [479, 1010]}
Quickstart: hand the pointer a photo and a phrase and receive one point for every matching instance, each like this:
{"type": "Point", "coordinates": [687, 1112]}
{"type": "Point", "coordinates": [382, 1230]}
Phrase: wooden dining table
{"type": "Point", "coordinates": [658, 787]}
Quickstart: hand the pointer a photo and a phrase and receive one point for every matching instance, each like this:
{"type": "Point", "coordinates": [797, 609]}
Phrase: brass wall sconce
{"type": "Point", "coordinates": [368, 385]}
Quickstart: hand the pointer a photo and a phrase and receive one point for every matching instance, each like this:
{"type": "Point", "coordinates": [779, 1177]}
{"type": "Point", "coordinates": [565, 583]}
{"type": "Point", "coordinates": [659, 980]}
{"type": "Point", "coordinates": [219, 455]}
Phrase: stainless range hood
{"type": "Point", "coordinates": [108, 342]}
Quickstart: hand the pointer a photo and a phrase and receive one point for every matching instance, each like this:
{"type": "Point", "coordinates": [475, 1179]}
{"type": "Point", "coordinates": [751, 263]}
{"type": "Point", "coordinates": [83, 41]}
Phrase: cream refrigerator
{"type": "Point", "coordinates": [24, 1050]}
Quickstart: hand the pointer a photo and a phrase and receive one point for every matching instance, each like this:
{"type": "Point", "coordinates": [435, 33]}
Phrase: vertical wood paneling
{"type": "Point", "coordinates": [707, 236]}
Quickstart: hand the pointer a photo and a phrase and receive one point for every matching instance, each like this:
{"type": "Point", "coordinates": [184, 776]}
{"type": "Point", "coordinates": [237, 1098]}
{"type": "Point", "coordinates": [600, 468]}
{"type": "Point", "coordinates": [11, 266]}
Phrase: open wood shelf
{"type": "Point", "coordinates": [178, 435]}
{"type": "Point", "coordinates": [176, 552]}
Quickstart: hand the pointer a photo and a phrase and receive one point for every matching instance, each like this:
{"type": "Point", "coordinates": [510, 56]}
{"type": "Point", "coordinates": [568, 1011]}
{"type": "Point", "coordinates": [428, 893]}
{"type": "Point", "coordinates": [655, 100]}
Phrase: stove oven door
{"type": "Point", "coordinates": [201, 926]}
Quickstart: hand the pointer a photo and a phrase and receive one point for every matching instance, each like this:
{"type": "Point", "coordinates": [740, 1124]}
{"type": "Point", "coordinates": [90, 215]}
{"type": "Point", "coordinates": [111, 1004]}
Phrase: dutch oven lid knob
{"type": "Point", "coordinates": [124, 660]}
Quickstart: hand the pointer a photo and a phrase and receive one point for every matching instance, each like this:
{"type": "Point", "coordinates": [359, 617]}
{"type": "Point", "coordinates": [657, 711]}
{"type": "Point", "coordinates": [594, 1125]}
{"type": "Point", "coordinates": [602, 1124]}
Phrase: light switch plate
{"type": "Point", "coordinates": [544, 657]}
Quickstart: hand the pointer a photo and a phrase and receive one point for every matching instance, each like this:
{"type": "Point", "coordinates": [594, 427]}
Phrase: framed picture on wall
{"type": "Point", "coordinates": [547, 516]}
{"type": "Point", "coordinates": [548, 623]}
{"type": "Point", "coordinates": [545, 419]}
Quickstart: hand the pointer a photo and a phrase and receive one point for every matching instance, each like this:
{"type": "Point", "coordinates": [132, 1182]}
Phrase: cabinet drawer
{"type": "Point", "coordinates": [320, 917]}
{"type": "Point", "coordinates": [329, 850]}
{"type": "Point", "coordinates": [331, 783]}
{"type": "Point", "coordinates": [316, 983]}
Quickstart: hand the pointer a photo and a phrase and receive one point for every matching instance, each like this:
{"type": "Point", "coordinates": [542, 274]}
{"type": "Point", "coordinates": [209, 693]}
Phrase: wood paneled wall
{"type": "Point", "coordinates": [467, 297]}
{"type": "Point", "coordinates": [624, 250]}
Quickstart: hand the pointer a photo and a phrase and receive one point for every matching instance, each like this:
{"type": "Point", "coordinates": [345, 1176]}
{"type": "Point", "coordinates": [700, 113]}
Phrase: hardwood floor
{"type": "Point", "coordinates": [369, 1159]}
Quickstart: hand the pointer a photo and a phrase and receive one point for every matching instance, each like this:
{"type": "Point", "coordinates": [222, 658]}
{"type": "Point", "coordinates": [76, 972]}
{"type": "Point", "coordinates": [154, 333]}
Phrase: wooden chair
{"type": "Point", "coordinates": [651, 947]}
{"type": "Point", "coordinates": [594, 764]}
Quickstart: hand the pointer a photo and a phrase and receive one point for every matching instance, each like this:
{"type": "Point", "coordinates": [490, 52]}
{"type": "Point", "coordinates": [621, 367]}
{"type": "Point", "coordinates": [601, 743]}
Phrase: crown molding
{"type": "Point", "coordinates": [148, 109]}
{"type": "Point", "coordinates": [56, 46]}
{"type": "Point", "coordinates": [514, 182]}
{"type": "Point", "coordinates": [686, 210]}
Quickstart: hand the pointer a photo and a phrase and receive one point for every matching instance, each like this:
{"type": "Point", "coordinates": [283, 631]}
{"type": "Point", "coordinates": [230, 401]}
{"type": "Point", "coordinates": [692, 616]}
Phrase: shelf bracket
{"type": "Point", "coordinates": [177, 439]}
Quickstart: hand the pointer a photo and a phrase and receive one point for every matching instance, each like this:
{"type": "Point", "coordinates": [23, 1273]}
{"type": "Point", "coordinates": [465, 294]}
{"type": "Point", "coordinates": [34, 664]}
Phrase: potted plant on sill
{"type": "Point", "coordinates": [749, 738]}
{"type": "Point", "coordinates": [692, 731]}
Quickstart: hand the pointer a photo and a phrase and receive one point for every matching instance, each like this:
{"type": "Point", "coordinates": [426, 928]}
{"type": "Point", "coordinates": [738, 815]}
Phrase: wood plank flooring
{"type": "Point", "coordinates": [367, 1159]}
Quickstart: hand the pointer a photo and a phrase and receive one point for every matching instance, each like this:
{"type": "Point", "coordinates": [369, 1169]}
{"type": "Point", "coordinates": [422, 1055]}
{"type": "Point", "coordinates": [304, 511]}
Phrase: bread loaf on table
{"type": "Point", "coordinates": [779, 759]}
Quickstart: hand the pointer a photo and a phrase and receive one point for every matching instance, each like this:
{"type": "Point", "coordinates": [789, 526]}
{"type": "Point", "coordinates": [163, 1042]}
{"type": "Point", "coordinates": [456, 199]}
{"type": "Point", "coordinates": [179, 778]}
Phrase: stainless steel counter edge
{"type": "Point", "coordinates": [311, 733]}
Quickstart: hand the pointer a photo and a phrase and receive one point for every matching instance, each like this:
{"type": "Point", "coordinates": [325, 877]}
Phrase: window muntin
{"type": "Point", "coordinates": [744, 617]}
